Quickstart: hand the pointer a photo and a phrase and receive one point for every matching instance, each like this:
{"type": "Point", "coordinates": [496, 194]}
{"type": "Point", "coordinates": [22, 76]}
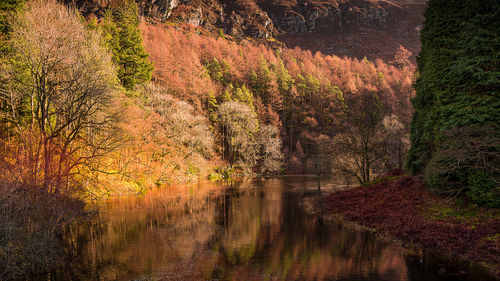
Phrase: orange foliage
{"type": "Point", "coordinates": [306, 110]}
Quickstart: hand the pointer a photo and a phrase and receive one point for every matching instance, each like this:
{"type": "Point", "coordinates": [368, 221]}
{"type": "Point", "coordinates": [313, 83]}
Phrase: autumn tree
{"type": "Point", "coordinates": [402, 57]}
{"type": "Point", "coordinates": [238, 125]}
{"type": "Point", "coordinates": [362, 142]}
{"type": "Point", "coordinates": [60, 81]}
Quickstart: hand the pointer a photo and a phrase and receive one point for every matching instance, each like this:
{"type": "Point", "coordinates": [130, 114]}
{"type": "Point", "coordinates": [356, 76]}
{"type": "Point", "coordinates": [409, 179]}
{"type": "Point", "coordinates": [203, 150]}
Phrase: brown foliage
{"type": "Point", "coordinates": [399, 208]}
{"type": "Point", "coordinates": [31, 221]}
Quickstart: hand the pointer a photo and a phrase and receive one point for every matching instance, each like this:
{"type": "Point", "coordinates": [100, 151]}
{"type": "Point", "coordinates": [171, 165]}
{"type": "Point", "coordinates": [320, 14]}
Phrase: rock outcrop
{"type": "Point", "coordinates": [159, 9]}
{"type": "Point", "coordinates": [375, 28]}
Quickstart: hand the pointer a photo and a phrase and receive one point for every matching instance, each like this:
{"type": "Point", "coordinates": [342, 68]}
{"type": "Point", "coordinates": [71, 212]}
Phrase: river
{"type": "Point", "coordinates": [240, 230]}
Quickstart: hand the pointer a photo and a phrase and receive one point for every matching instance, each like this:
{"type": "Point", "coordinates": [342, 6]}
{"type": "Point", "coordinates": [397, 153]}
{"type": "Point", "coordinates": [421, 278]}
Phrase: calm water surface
{"type": "Point", "coordinates": [245, 230]}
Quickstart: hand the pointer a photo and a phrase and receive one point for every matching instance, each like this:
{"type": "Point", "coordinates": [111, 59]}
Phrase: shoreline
{"type": "Point", "coordinates": [404, 211]}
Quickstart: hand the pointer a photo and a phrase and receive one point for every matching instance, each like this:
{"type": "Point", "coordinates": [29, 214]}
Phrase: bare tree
{"type": "Point", "coordinates": [239, 127]}
{"type": "Point", "coordinates": [271, 157]}
{"type": "Point", "coordinates": [59, 84]}
{"type": "Point", "coordinates": [398, 140]}
{"type": "Point", "coordinates": [180, 121]}
{"type": "Point", "coordinates": [362, 141]}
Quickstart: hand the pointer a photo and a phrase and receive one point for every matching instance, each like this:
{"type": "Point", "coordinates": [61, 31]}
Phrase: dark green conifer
{"type": "Point", "coordinates": [121, 30]}
{"type": "Point", "coordinates": [457, 106]}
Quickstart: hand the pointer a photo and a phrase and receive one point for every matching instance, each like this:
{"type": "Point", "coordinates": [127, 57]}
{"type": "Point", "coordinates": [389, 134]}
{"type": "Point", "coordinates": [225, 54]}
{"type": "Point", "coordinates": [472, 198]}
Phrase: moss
{"type": "Point", "coordinates": [456, 210]}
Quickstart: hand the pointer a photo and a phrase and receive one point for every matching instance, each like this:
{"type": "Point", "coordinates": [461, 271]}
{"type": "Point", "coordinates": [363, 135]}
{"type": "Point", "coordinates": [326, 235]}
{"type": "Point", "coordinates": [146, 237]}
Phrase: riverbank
{"type": "Point", "coordinates": [31, 225]}
{"type": "Point", "coordinates": [404, 209]}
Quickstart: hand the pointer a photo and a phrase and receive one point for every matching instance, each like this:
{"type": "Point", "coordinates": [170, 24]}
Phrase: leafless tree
{"type": "Point", "coordinates": [463, 150]}
{"type": "Point", "coordinates": [59, 85]}
{"type": "Point", "coordinates": [239, 127]}
{"type": "Point", "coordinates": [362, 142]}
{"type": "Point", "coordinates": [271, 156]}
{"type": "Point", "coordinates": [180, 121]}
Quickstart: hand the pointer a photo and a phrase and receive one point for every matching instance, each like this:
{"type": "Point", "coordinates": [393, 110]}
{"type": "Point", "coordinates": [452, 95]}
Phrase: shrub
{"type": "Point", "coordinates": [466, 162]}
{"type": "Point", "coordinates": [32, 221]}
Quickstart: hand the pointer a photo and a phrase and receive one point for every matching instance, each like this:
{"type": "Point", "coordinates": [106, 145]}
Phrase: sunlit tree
{"type": "Point", "coordinates": [59, 85]}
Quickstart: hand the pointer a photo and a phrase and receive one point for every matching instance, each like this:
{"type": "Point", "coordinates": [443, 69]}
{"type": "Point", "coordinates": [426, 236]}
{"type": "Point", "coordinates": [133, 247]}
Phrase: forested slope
{"type": "Point", "coordinates": [302, 94]}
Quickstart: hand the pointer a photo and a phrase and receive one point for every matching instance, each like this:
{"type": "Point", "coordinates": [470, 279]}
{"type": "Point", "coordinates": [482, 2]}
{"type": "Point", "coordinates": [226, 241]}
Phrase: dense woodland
{"type": "Point", "coordinates": [92, 108]}
{"type": "Point", "coordinates": [455, 129]}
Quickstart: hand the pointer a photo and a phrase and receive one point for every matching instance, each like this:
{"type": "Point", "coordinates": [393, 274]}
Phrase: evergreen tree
{"type": "Point", "coordinates": [7, 7]}
{"type": "Point", "coordinates": [457, 91]}
{"type": "Point", "coordinates": [247, 97]}
{"type": "Point", "coordinates": [261, 80]}
{"type": "Point", "coordinates": [226, 96]}
{"type": "Point", "coordinates": [110, 33]}
{"type": "Point", "coordinates": [219, 71]}
{"type": "Point", "coordinates": [121, 30]}
{"type": "Point", "coordinates": [212, 109]}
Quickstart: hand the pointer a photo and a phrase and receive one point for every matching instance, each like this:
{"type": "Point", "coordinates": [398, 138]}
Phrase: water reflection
{"type": "Point", "coordinates": [245, 230]}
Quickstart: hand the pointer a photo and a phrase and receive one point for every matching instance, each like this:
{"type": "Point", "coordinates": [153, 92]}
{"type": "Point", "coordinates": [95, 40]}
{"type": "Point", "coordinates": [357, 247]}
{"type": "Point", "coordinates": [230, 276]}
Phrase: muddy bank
{"type": "Point", "coordinates": [405, 210]}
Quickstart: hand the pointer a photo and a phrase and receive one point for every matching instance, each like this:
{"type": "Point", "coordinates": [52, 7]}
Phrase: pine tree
{"type": "Point", "coordinates": [110, 33]}
{"type": "Point", "coordinates": [457, 106]}
{"type": "Point", "coordinates": [247, 97]}
{"type": "Point", "coordinates": [226, 96]}
{"type": "Point", "coordinates": [121, 30]}
{"type": "Point", "coordinates": [219, 71]}
{"type": "Point", "coordinates": [6, 7]}
{"type": "Point", "coordinates": [261, 80]}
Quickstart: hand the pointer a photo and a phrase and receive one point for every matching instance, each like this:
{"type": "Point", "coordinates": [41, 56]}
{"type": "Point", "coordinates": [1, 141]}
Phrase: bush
{"type": "Point", "coordinates": [32, 221]}
{"type": "Point", "coordinates": [466, 164]}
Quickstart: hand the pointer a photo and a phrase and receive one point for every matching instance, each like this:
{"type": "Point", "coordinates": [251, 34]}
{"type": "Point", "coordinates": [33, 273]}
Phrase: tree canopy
{"type": "Point", "coordinates": [457, 91]}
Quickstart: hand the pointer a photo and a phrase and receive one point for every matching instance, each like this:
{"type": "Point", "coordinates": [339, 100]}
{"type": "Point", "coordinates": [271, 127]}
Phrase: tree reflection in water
{"type": "Point", "coordinates": [242, 230]}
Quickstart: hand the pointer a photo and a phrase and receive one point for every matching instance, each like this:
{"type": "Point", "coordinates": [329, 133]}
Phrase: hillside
{"type": "Point", "coordinates": [354, 28]}
{"type": "Point", "coordinates": [108, 98]}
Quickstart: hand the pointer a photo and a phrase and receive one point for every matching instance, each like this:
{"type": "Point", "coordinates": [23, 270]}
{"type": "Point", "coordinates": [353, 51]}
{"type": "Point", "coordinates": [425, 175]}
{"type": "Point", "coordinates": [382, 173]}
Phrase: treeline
{"type": "Point", "coordinates": [80, 118]}
{"type": "Point", "coordinates": [311, 99]}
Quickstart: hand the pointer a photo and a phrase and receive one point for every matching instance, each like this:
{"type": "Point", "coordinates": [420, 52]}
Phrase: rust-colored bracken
{"type": "Point", "coordinates": [407, 211]}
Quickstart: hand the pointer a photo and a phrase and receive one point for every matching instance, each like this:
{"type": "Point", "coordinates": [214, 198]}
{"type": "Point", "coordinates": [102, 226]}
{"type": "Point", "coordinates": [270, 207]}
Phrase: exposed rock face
{"type": "Point", "coordinates": [160, 9]}
{"type": "Point", "coordinates": [241, 23]}
{"type": "Point", "coordinates": [374, 28]}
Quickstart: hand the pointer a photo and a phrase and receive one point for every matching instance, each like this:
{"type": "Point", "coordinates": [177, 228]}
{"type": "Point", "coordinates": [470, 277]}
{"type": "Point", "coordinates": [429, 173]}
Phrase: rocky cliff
{"type": "Point", "coordinates": [372, 28]}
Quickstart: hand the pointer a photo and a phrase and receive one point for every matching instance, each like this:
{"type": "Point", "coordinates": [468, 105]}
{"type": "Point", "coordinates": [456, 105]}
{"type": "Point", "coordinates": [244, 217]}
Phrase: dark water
{"type": "Point", "coordinates": [245, 230]}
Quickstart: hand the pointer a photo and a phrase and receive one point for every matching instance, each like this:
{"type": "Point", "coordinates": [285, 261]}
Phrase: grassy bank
{"type": "Point", "coordinates": [404, 209]}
